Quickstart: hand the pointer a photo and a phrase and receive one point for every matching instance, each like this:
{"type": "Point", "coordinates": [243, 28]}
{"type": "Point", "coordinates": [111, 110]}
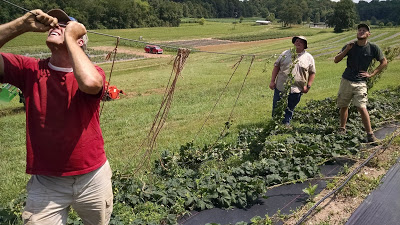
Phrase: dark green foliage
{"type": "Point", "coordinates": [13, 213]}
{"type": "Point", "coordinates": [99, 14]}
{"type": "Point", "coordinates": [344, 16]}
{"type": "Point", "coordinates": [390, 54]}
{"type": "Point", "coordinates": [291, 13]}
{"type": "Point", "coordinates": [151, 13]}
{"type": "Point", "coordinates": [385, 11]}
{"type": "Point", "coordinates": [111, 14]}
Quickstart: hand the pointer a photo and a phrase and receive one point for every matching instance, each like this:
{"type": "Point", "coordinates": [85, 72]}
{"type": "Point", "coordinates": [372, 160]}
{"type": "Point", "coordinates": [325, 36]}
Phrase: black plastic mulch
{"type": "Point", "coordinates": [382, 206]}
{"type": "Point", "coordinates": [289, 197]}
{"type": "Point", "coordinates": [284, 198]}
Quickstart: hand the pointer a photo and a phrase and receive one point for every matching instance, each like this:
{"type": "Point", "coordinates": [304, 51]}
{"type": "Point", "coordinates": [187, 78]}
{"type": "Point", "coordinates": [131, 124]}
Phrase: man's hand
{"type": "Point", "coordinates": [383, 63]}
{"type": "Point", "coordinates": [272, 85]}
{"type": "Point", "coordinates": [365, 74]}
{"type": "Point", "coordinates": [343, 53]}
{"type": "Point", "coordinates": [349, 46]}
{"type": "Point", "coordinates": [305, 89]}
{"type": "Point", "coordinates": [38, 21]}
{"type": "Point", "coordinates": [74, 31]}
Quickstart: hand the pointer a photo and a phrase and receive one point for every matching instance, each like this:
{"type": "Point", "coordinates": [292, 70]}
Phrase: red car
{"type": "Point", "coordinates": [153, 49]}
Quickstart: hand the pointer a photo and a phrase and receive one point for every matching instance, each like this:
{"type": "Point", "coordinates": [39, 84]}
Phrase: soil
{"type": "Point", "coordinates": [205, 44]}
{"type": "Point", "coordinates": [225, 46]}
{"type": "Point", "coordinates": [183, 43]}
{"type": "Point", "coordinates": [210, 44]}
{"type": "Point", "coordinates": [122, 49]}
{"type": "Point", "coordinates": [198, 42]}
{"type": "Point", "coordinates": [337, 209]}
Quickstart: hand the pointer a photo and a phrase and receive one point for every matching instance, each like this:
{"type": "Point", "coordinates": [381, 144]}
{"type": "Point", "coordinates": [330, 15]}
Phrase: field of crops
{"type": "Point", "coordinates": [125, 122]}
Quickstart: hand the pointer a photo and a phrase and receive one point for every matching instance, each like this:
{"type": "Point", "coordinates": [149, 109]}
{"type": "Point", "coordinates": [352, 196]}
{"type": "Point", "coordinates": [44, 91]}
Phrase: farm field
{"type": "Point", "coordinates": [125, 122]}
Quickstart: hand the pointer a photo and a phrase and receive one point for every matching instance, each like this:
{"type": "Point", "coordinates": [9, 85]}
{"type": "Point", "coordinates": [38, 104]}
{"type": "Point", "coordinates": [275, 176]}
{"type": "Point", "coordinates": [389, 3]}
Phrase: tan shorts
{"type": "Point", "coordinates": [352, 91]}
{"type": "Point", "coordinates": [49, 198]}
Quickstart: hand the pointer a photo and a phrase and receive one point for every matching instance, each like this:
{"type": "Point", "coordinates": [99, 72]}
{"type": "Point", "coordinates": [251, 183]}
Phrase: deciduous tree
{"type": "Point", "coordinates": [291, 12]}
{"type": "Point", "coordinates": [344, 16]}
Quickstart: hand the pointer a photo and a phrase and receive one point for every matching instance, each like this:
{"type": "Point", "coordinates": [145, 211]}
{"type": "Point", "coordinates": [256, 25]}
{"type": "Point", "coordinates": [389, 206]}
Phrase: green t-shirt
{"type": "Point", "coordinates": [359, 58]}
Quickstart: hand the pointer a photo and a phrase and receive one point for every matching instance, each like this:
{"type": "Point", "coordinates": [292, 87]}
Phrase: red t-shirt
{"type": "Point", "coordinates": [63, 135]}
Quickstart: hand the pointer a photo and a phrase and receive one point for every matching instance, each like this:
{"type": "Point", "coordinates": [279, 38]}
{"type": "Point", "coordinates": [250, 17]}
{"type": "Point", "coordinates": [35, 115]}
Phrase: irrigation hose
{"type": "Point", "coordinates": [384, 147]}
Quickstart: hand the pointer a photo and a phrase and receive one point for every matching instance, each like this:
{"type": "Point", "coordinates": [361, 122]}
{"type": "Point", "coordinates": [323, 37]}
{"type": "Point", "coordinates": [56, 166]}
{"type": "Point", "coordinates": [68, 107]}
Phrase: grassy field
{"type": "Point", "coordinates": [125, 122]}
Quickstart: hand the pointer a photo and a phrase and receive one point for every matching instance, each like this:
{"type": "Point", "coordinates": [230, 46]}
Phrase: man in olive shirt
{"type": "Point", "coordinates": [353, 86]}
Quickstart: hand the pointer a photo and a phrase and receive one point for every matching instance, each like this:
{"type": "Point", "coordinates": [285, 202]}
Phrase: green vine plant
{"type": "Point", "coordinates": [257, 220]}
{"type": "Point", "coordinates": [268, 62]}
{"type": "Point", "coordinates": [310, 191]}
{"type": "Point", "coordinates": [282, 104]}
{"type": "Point", "coordinates": [391, 54]}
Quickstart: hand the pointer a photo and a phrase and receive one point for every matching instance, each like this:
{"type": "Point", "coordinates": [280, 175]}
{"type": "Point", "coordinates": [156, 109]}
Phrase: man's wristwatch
{"type": "Point", "coordinates": [308, 86]}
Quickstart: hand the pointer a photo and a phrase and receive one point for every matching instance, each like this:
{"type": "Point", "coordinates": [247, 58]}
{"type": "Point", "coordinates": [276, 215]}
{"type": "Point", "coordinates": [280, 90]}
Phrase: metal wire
{"type": "Point", "coordinates": [18, 7]}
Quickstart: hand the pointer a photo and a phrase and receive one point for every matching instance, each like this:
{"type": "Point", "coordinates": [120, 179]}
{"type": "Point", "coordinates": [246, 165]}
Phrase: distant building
{"type": "Point", "coordinates": [318, 25]}
{"type": "Point", "coordinates": [263, 22]}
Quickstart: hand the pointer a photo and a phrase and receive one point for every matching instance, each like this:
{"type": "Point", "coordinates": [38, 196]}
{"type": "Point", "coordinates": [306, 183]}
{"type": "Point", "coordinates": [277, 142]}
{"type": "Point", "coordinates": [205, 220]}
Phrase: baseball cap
{"type": "Point", "coordinates": [363, 25]}
{"type": "Point", "coordinates": [60, 15]}
{"type": "Point", "coordinates": [63, 17]}
{"type": "Point", "coordinates": [300, 37]}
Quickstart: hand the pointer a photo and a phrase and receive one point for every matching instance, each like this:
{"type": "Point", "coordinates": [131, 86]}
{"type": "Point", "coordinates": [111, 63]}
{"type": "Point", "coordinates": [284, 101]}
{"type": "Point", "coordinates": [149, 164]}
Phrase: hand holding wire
{"type": "Point", "coordinates": [38, 21]}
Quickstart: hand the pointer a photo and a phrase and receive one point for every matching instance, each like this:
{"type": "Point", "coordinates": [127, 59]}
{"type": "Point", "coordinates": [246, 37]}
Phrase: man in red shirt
{"type": "Point", "coordinates": [65, 147]}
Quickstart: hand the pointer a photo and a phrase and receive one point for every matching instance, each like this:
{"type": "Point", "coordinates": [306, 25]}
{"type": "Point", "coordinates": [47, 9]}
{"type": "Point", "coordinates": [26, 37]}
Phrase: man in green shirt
{"type": "Point", "coordinates": [353, 86]}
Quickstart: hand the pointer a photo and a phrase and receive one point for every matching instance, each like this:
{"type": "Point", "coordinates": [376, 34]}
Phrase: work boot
{"type": "Point", "coordinates": [341, 130]}
{"type": "Point", "coordinates": [371, 138]}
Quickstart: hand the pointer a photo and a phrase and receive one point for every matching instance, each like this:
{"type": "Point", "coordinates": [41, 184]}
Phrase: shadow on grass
{"type": "Point", "coordinates": [253, 125]}
{"type": "Point", "coordinates": [11, 111]}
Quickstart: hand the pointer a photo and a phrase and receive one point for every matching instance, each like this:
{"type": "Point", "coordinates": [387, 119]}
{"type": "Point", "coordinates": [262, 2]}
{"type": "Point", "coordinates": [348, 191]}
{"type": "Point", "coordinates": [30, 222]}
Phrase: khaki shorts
{"type": "Point", "coordinates": [49, 198]}
{"type": "Point", "coordinates": [352, 91]}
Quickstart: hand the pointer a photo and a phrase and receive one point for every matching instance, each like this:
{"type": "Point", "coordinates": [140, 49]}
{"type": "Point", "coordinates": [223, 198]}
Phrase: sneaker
{"type": "Point", "coordinates": [341, 130]}
{"type": "Point", "coordinates": [371, 138]}
{"type": "Point", "coordinates": [287, 126]}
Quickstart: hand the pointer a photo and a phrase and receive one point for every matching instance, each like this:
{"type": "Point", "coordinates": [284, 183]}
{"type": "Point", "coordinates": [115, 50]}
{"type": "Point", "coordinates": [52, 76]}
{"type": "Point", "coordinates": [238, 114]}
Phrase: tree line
{"type": "Point", "coordinates": [380, 12]}
{"type": "Point", "coordinates": [113, 14]}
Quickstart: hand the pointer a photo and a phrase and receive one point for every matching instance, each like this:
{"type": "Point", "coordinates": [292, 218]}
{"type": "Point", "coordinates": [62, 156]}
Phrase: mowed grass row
{"type": "Point", "coordinates": [125, 122]}
{"type": "Point", "coordinates": [185, 31]}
